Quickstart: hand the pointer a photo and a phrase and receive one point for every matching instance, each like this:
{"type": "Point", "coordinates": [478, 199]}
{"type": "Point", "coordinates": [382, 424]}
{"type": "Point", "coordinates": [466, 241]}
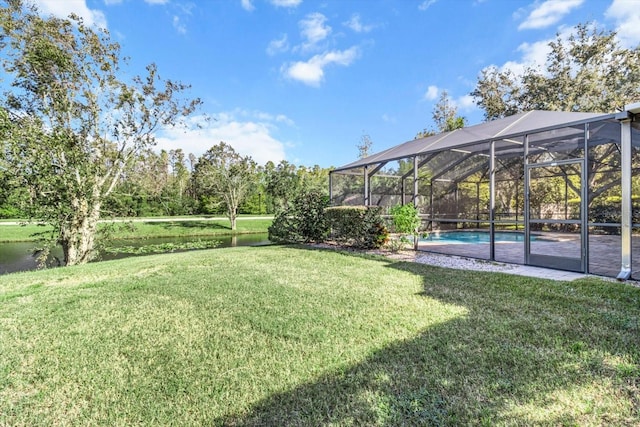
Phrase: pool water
{"type": "Point", "coordinates": [459, 237]}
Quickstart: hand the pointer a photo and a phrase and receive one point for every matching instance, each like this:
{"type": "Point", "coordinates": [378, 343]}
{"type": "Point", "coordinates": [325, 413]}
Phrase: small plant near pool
{"type": "Point", "coordinates": [406, 222]}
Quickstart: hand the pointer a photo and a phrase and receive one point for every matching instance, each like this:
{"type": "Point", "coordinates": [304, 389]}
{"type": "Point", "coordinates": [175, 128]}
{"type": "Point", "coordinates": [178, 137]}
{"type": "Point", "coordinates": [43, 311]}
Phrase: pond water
{"type": "Point", "coordinates": [17, 256]}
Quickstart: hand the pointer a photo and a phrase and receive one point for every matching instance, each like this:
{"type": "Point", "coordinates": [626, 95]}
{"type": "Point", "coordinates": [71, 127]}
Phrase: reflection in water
{"type": "Point", "coordinates": [18, 256]}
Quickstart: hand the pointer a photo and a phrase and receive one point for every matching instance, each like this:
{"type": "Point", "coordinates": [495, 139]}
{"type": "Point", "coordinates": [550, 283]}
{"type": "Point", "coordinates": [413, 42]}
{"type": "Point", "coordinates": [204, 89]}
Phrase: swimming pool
{"type": "Point", "coordinates": [461, 237]}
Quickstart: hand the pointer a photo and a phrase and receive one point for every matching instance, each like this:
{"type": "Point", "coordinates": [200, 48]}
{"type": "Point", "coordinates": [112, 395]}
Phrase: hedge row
{"type": "Point", "coordinates": [357, 226]}
{"type": "Point", "coordinates": [308, 219]}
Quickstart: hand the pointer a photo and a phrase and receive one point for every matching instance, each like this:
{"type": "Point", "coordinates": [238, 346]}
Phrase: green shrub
{"type": "Point", "coordinates": [611, 214]}
{"type": "Point", "coordinates": [10, 212]}
{"type": "Point", "coordinates": [357, 226]}
{"type": "Point", "coordinates": [406, 221]}
{"type": "Point", "coordinates": [304, 221]}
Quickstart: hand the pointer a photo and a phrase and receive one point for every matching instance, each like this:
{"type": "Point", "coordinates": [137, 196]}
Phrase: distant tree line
{"type": "Point", "coordinates": [172, 183]}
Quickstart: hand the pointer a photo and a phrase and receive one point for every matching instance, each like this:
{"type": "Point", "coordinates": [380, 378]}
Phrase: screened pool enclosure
{"type": "Point", "coordinates": [550, 189]}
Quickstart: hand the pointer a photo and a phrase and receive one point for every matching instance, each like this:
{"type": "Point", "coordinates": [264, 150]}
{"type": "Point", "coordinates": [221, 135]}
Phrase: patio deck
{"type": "Point", "coordinates": [604, 251]}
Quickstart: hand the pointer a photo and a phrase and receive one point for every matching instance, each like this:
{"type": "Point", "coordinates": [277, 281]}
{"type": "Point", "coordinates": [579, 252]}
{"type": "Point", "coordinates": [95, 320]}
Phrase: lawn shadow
{"type": "Point", "coordinates": [515, 356]}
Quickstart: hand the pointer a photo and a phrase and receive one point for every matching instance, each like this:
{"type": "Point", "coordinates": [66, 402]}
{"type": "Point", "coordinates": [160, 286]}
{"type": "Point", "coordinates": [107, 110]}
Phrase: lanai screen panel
{"type": "Point", "coordinates": [555, 190]}
{"type": "Point", "coordinates": [347, 187]}
{"type": "Point", "coordinates": [509, 198]}
{"type": "Point", "coordinates": [604, 197]}
{"type": "Point", "coordinates": [459, 179]}
{"type": "Point", "coordinates": [386, 184]}
{"type": "Point", "coordinates": [635, 198]}
{"type": "Point", "coordinates": [460, 183]}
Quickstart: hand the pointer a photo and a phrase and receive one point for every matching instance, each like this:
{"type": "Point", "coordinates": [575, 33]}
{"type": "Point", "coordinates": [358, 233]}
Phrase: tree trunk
{"type": "Point", "coordinates": [77, 235]}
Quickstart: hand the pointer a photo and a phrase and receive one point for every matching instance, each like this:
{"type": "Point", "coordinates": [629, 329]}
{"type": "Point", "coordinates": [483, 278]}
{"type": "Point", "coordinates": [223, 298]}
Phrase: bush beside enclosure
{"type": "Point", "coordinates": [303, 221]}
{"type": "Point", "coordinates": [308, 219]}
{"type": "Point", "coordinates": [357, 226]}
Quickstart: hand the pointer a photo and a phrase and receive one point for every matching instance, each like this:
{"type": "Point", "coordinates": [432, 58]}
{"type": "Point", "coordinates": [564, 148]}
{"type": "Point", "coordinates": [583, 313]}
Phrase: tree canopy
{"type": "Point", "coordinates": [227, 176]}
{"type": "Point", "coordinates": [445, 117]}
{"type": "Point", "coordinates": [70, 124]}
{"type": "Point", "coordinates": [589, 71]}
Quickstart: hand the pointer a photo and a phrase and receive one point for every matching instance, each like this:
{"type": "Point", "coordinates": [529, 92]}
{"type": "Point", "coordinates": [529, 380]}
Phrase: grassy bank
{"type": "Point", "coordinates": [142, 230]}
{"type": "Point", "coordinates": [286, 336]}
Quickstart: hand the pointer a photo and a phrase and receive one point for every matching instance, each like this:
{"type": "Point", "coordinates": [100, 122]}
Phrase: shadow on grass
{"type": "Point", "coordinates": [528, 352]}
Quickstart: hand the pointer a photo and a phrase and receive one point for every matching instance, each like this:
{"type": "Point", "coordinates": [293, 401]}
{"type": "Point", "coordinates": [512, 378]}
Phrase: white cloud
{"type": "Point", "coordinates": [431, 93]}
{"type": "Point", "coordinates": [549, 13]}
{"type": "Point", "coordinates": [465, 104]}
{"type": "Point", "coordinates": [278, 45]}
{"type": "Point", "coordinates": [534, 55]}
{"type": "Point", "coordinates": [249, 133]}
{"type": "Point", "coordinates": [264, 117]}
{"type": "Point", "coordinates": [626, 15]}
{"type": "Point", "coordinates": [311, 72]}
{"type": "Point", "coordinates": [281, 118]}
{"type": "Point", "coordinates": [286, 3]}
{"type": "Point", "coordinates": [156, 1]}
{"type": "Point", "coordinates": [313, 29]}
{"type": "Point", "coordinates": [356, 25]}
{"type": "Point", "coordinates": [178, 25]}
{"type": "Point", "coordinates": [426, 4]}
{"type": "Point", "coordinates": [62, 9]}
{"type": "Point", "coordinates": [247, 5]}
{"type": "Point", "coordinates": [389, 119]}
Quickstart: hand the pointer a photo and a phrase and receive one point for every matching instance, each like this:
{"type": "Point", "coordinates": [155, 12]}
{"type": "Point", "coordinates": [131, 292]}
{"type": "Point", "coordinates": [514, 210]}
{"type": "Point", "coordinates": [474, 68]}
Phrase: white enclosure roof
{"type": "Point", "coordinates": [508, 127]}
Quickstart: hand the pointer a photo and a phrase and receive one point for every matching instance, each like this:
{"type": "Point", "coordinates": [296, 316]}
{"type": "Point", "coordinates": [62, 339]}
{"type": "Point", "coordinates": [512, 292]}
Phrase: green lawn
{"type": "Point", "coordinates": [175, 228]}
{"type": "Point", "coordinates": [291, 336]}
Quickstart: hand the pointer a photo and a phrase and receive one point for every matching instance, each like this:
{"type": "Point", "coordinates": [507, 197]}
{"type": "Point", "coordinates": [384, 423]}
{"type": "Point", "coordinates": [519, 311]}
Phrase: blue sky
{"type": "Point", "coordinates": [303, 80]}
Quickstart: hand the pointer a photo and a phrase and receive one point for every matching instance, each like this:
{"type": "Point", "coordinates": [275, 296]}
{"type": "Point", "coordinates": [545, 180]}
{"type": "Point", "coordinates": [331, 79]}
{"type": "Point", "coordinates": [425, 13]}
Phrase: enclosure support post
{"type": "Point", "coordinates": [431, 202]}
{"type": "Point", "coordinates": [566, 194]}
{"type": "Point", "coordinates": [492, 200]}
{"type": "Point", "coordinates": [527, 231]}
{"type": "Point", "coordinates": [366, 186]}
{"type": "Point", "coordinates": [478, 201]}
{"type": "Point", "coordinates": [415, 181]}
{"type": "Point", "coordinates": [330, 189]}
{"type": "Point", "coordinates": [402, 188]}
{"type": "Point", "coordinates": [517, 204]}
{"type": "Point", "coordinates": [584, 201]}
{"type": "Point", "coordinates": [625, 142]}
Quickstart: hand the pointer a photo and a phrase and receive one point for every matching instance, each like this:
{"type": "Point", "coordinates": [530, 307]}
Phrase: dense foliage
{"type": "Point", "coordinates": [357, 226]}
{"type": "Point", "coordinates": [303, 221]}
{"type": "Point", "coordinates": [70, 125]}
{"type": "Point", "coordinates": [588, 71]}
{"type": "Point", "coordinates": [406, 221]}
{"type": "Point", "coordinates": [226, 177]}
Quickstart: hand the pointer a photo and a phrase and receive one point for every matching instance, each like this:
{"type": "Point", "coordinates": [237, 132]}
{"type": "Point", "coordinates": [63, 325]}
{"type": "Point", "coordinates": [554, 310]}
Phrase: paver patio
{"type": "Point", "coordinates": [604, 251]}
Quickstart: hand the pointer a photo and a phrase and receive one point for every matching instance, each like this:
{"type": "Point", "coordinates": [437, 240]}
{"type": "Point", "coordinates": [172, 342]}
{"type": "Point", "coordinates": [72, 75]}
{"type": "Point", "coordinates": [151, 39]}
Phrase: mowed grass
{"type": "Point", "coordinates": [145, 230]}
{"type": "Point", "coordinates": [293, 336]}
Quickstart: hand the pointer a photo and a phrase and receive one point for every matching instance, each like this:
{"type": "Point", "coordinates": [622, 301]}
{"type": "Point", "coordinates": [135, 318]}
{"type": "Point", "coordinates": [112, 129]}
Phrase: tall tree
{"type": "Point", "coordinates": [281, 183]}
{"type": "Point", "coordinates": [445, 117]}
{"type": "Point", "coordinates": [71, 126]}
{"type": "Point", "coordinates": [589, 71]}
{"type": "Point", "coordinates": [364, 146]}
{"type": "Point", "coordinates": [285, 181]}
{"type": "Point", "coordinates": [228, 176]}
{"type": "Point", "coordinates": [445, 114]}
